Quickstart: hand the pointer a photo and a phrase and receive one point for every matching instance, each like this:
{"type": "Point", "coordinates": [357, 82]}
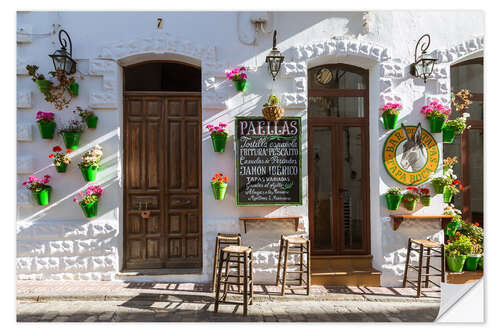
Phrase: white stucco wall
{"type": "Point", "coordinates": [57, 242]}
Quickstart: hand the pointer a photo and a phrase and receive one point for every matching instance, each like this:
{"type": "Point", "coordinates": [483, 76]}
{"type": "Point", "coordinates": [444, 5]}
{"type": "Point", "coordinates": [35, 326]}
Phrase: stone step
{"type": "Point", "coordinates": [344, 271]}
{"type": "Point", "coordinates": [355, 261]}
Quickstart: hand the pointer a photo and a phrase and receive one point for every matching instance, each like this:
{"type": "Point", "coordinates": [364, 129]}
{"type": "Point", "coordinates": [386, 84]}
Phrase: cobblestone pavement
{"type": "Point", "coordinates": [197, 310]}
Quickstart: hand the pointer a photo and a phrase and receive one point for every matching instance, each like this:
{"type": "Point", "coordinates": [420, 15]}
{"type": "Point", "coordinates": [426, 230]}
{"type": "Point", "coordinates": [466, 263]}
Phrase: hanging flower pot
{"type": "Point", "coordinates": [89, 173]}
{"type": "Point", "coordinates": [44, 86]}
{"type": "Point", "coordinates": [446, 168]}
{"type": "Point", "coordinates": [438, 188]}
{"type": "Point", "coordinates": [73, 88]}
{"type": "Point", "coordinates": [447, 195]}
{"type": "Point", "coordinates": [71, 139]}
{"type": "Point", "coordinates": [448, 134]}
{"type": "Point", "coordinates": [426, 201]}
{"type": "Point", "coordinates": [390, 120]}
{"type": "Point", "coordinates": [91, 121]}
{"type": "Point", "coordinates": [455, 263]}
{"type": "Point", "coordinates": [219, 143]}
{"type": "Point", "coordinates": [61, 168]}
{"type": "Point", "coordinates": [436, 124]}
{"type": "Point", "coordinates": [239, 77]}
{"type": "Point", "coordinates": [89, 210]}
{"type": "Point", "coordinates": [437, 114]}
{"type": "Point", "coordinates": [47, 130]}
{"type": "Point", "coordinates": [240, 85]}
{"type": "Point", "coordinates": [272, 110]}
{"type": "Point", "coordinates": [42, 197]}
{"type": "Point", "coordinates": [410, 204]}
{"type": "Point", "coordinates": [393, 201]}
{"type": "Point", "coordinates": [61, 160]}
{"type": "Point", "coordinates": [219, 186]}
{"type": "Point", "coordinates": [471, 262]}
{"type": "Point", "coordinates": [480, 264]}
{"type": "Point", "coordinates": [452, 227]}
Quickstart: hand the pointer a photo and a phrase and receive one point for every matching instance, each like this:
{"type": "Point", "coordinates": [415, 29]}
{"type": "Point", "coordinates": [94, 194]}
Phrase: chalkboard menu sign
{"type": "Point", "coordinates": [268, 161]}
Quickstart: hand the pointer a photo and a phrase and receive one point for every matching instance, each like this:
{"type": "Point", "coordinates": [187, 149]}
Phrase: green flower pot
{"type": "Point", "coordinates": [91, 121]}
{"type": "Point", "coordinates": [447, 195]}
{"type": "Point", "coordinates": [480, 264]}
{"type": "Point", "coordinates": [471, 262]}
{"type": "Point", "coordinates": [438, 188]}
{"type": "Point", "coordinates": [393, 201]}
{"type": "Point", "coordinates": [219, 143]}
{"type": "Point", "coordinates": [43, 196]}
{"type": "Point", "coordinates": [451, 228]}
{"type": "Point", "coordinates": [240, 85]}
{"type": "Point", "coordinates": [73, 89]}
{"type": "Point", "coordinates": [47, 129]}
{"type": "Point", "coordinates": [43, 85]}
{"type": "Point", "coordinates": [448, 134]}
{"type": "Point", "coordinates": [436, 124]}
{"type": "Point", "coordinates": [89, 210]}
{"type": "Point", "coordinates": [446, 168]}
{"type": "Point", "coordinates": [71, 140]}
{"type": "Point", "coordinates": [455, 263]}
{"type": "Point", "coordinates": [426, 201]}
{"type": "Point", "coordinates": [410, 204]}
{"type": "Point", "coordinates": [219, 190]}
{"type": "Point", "coordinates": [390, 120]}
{"type": "Point", "coordinates": [89, 173]}
{"type": "Point", "coordinates": [61, 168]}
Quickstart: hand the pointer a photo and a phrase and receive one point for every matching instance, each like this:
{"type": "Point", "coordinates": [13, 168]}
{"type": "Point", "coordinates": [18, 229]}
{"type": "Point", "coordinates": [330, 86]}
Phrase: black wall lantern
{"type": "Point", "coordinates": [274, 59]}
{"type": "Point", "coordinates": [62, 58]}
{"type": "Point", "coordinates": [424, 64]}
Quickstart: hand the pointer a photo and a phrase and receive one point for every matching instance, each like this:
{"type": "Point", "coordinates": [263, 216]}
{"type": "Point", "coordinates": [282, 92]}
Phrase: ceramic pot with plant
{"type": "Point", "coordinates": [476, 235]}
{"type": "Point", "coordinates": [43, 84]}
{"type": "Point", "coordinates": [272, 110]}
{"type": "Point", "coordinates": [89, 200]}
{"type": "Point", "coordinates": [39, 189]}
{"type": "Point", "coordinates": [91, 161]}
{"type": "Point", "coordinates": [393, 198]}
{"type": "Point", "coordinates": [71, 134]}
{"type": "Point", "coordinates": [453, 225]}
{"type": "Point", "coordinates": [87, 116]}
{"type": "Point", "coordinates": [440, 182]}
{"type": "Point", "coordinates": [425, 196]}
{"type": "Point", "coordinates": [219, 186]}
{"type": "Point", "coordinates": [219, 136]}
{"type": "Point", "coordinates": [473, 259]}
{"type": "Point", "coordinates": [451, 189]}
{"type": "Point", "coordinates": [437, 115]}
{"type": "Point", "coordinates": [390, 113]}
{"type": "Point", "coordinates": [410, 198]}
{"type": "Point", "coordinates": [456, 253]}
{"type": "Point", "coordinates": [61, 160]}
{"type": "Point", "coordinates": [46, 124]}
{"type": "Point", "coordinates": [239, 77]}
{"type": "Point", "coordinates": [455, 127]}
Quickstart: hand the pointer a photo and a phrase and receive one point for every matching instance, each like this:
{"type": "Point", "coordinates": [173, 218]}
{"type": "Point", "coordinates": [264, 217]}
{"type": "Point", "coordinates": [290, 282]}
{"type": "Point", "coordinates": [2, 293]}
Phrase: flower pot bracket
{"type": "Point", "coordinates": [398, 219]}
{"type": "Point", "coordinates": [294, 219]}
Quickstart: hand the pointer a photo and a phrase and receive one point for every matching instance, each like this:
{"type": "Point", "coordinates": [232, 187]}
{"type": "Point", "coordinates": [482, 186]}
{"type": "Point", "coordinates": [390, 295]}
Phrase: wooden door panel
{"type": "Point", "coordinates": [153, 155]}
{"type": "Point", "coordinates": [134, 149]}
{"type": "Point", "coordinates": [192, 155]}
{"type": "Point", "coordinates": [174, 169]}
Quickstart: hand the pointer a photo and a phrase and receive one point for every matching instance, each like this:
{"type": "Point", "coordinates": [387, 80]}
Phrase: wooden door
{"type": "Point", "coordinates": [162, 168]}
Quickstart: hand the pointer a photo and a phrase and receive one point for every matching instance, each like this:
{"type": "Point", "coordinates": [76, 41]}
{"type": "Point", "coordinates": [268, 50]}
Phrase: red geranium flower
{"type": "Point", "coordinates": [476, 224]}
{"type": "Point", "coordinates": [456, 181]}
{"type": "Point", "coordinates": [56, 149]}
{"type": "Point", "coordinates": [51, 155]}
{"type": "Point", "coordinates": [69, 150]}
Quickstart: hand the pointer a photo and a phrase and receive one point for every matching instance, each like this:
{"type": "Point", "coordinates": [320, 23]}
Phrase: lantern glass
{"type": "Point", "coordinates": [62, 61]}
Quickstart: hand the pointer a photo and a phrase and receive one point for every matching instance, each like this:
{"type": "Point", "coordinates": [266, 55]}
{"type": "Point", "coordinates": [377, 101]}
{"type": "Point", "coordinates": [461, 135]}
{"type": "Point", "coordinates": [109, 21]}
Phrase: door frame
{"type": "Point", "coordinates": [124, 268]}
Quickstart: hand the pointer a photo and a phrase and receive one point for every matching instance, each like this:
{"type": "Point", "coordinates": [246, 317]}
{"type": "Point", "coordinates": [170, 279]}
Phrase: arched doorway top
{"type": "Point", "coordinates": [461, 50]}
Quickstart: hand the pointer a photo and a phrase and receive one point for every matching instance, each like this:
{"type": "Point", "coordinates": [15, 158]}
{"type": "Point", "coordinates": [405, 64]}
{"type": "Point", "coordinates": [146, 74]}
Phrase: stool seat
{"type": "Point", "coordinates": [237, 249]}
{"type": "Point", "coordinates": [426, 243]}
{"type": "Point", "coordinates": [295, 239]}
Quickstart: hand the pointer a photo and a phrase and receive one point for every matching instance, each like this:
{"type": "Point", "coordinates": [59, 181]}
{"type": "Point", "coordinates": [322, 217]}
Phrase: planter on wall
{"type": "Point", "coordinates": [219, 190]}
{"type": "Point", "coordinates": [393, 201]}
{"type": "Point", "coordinates": [89, 173]}
{"type": "Point", "coordinates": [471, 262]}
{"type": "Point", "coordinates": [390, 120]}
{"type": "Point", "coordinates": [480, 265]}
{"type": "Point", "coordinates": [438, 188]}
{"type": "Point", "coordinates": [448, 134]}
{"type": "Point", "coordinates": [91, 121]}
{"type": "Point", "coordinates": [71, 139]}
{"type": "Point", "coordinates": [436, 124]}
{"type": "Point", "coordinates": [219, 143]}
{"type": "Point", "coordinates": [240, 85]}
{"type": "Point", "coordinates": [410, 204]}
{"type": "Point", "coordinates": [90, 210]}
{"type": "Point", "coordinates": [447, 195]}
{"type": "Point", "coordinates": [61, 168]}
{"type": "Point", "coordinates": [426, 201]}
{"type": "Point", "coordinates": [43, 85]}
{"type": "Point", "coordinates": [73, 89]}
{"type": "Point", "coordinates": [455, 263]}
{"type": "Point", "coordinates": [451, 228]}
{"type": "Point", "coordinates": [47, 129]}
{"type": "Point", "coordinates": [43, 197]}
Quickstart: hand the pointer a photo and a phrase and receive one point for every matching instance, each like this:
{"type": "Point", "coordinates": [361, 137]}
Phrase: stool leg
{"type": "Point", "coordinates": [284, 269]}
{"type": "Point", "coordinates": [407, 263]}
{"type": "Point", "coordinates": [301, 263]}
{"type": "Point", "coordinates": [245, 286]}
{"type": "Point", "coordinates": [427, 268]}
{"type": "Point", "coordinates": [217, 285]}
{"type": "Point", "coordinates": [251, 277]}
{"type": "Point", "coordinates": [279, 262]}
{"type": "Point", "coordinates": [239, 269]}
{"type": "Point", "coordinates": [308, 267]}
{"type": "Point", "coordinates": [226, 275]}
{"type": "Point", "coordinates": [420, 261]}
{"type": "Point", "coordinates": [216, 258]}
{"type": "Point", "coordinates": [442, 264]}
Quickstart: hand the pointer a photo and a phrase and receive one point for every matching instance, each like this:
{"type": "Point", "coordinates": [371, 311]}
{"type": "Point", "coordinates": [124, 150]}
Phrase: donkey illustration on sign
{"type": "Point", "coordinates": [414, 154]}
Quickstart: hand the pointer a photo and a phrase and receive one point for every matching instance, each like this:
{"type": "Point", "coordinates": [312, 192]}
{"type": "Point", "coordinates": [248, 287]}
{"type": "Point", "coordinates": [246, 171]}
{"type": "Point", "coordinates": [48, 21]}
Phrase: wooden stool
{"type": "Point", "coordinates": [429, 246]}
{"type": "Point", "coordinates": [241, 255]}
{"type": "Point", "coordinates": [294, 245]}
{"type": "Point", "coordinates": [221, 241]}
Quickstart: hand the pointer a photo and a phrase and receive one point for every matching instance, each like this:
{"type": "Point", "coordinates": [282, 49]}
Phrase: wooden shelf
{"type": "Point", "coordinates": [293, 219]}
{"type": "Point", "coordinates": [398, 219]}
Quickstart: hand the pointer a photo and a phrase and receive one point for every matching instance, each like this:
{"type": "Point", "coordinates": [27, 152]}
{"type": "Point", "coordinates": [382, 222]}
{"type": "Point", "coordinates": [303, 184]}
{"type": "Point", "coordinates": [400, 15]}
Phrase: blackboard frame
{"type": "Point", "coordinates": [236, 164]}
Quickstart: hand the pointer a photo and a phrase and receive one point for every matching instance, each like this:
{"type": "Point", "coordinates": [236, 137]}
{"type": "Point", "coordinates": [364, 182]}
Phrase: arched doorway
{"type": "Point", "coordinates": [338, 155]}
{"type": "Point", "coordinates": [162, 166]}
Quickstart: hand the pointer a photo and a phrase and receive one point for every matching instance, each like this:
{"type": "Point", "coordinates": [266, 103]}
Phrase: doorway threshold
{"type": "Point", "coordinates": [158, 271]}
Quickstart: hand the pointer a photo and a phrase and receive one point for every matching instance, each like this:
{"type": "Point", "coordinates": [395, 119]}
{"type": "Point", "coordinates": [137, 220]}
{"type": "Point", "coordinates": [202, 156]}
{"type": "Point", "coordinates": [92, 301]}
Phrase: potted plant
{"type": "Point", "coordinates": [390, 113]}
{"type": "Point", "coordinates": [219, 136]}
{"type": "Point", "coordinates": [455, 127]}
{"type": "Point", "coordinates": [46, 124]}
{"type": "Point", "coordinates": [393, 198]}
{"type": "Point", "coordinates": [410, 197]}
{"type": "Point", "coordinates": [239, 77]}
{"type": "Point", "coordinates": [71, 133]}
{"type": "Point", "coordinates": [61, 160]}
{"type": "Point", "coordinates": [43, 84]}
{"type": "Point", "coordinates": [88, 116]}
{"type": "Point", "coordinates": [450, 190]}
{"type": "Point", "coordinates": [91, 161]}
{"type": "Point", "coordinates": [39, 189]}
{"type": "Point", "coordinates": [219, 186]}
{"type": "Point", "coordinates": [89, 200]}
{"type": "Point", "coordinates": [476, 235]}
{"type": "Point", "coordinates": [272, 110]}
{"type": "Point", "coordinates": [456, 253]}
{"type": "Point", "coordinates": [473, 258]}
{"type": "Point", "coordinates": [453, 225]}
{"type": "Point", "coordinates": [437, 114]}
{"type": "Point", "coordinates": [439, 182]}
{"type": "Point", "coordinates": [448, 163]}
{"type": "Point", "coordinates": [425, 196]}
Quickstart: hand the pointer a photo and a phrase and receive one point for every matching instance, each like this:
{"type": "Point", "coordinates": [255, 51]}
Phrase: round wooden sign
{"type": "Point", "coordinates": [410, 155]}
